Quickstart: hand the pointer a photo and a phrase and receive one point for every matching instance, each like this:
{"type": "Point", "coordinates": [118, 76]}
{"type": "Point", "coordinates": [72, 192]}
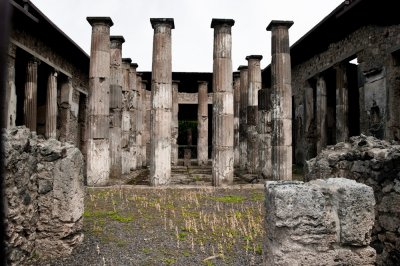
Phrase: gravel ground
{"type": "Point", "coordinates": [180, 225]}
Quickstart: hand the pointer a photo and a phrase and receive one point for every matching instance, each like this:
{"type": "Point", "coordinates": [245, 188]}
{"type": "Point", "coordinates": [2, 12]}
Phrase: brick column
{"type": "Point", "coordinates": [51, 106]}
{"type": "Point", "coordinates": [254, 85]}
{"type": "Point", "coordinates": [202, 126]}
{"type": "Point", "coordinates": [222, 161]}
{"type": "Point", "coordinates": [98, 154]}
{"type": "Point", "coordinates": [30, 101]}
{"type": "Point", "coordinates": [281, 100]}
{"type": "Point", "coordinates": [174, 123]}
{"type": "Point", "coordinates": [243, 116]}
{"type": "Point", "coordinates": [236, 115]}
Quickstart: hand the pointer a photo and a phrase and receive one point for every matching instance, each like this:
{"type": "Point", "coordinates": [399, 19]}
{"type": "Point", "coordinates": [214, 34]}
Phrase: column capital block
{"type": "Point", "coordinates": [162, 21]}
{"type": "Point", "coordinates": [100, 20]}
{"type": "Point", "coordinates": [117, 38]}
{"type": "Point", "coordinates": [257, 57]}
{"type": "Point", "coordinates": [134, 65]}
{"type": "Point", "coordinates": [176, 81]}
{"type": "Point", "coordinates": [242, 67]}
{"type": "Point", "coordinates": [279, 23]}
{"type": "Point", "coordinates": [200, 82]}
{"type": "Point", "coordinates": [127, 60]}
{"type": "Point", "coordinates": [222, 21]}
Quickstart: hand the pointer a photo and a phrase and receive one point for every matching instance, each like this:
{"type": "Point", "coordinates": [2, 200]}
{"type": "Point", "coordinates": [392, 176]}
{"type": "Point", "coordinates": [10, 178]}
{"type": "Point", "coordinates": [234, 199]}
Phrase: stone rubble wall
{"type": "Point", "coordinates": [375, 163]}
{"type": "Point", "coordinates": [322, 222]}
{"type": "Point", "coordinates": [44, 194]}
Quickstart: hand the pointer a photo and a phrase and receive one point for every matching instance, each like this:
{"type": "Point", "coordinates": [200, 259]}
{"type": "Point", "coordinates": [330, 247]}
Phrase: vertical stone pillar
{"type": "Point", "coordinates": [30, 101]}
{"type": "Point", "coordinates": [98, 153]}
{"type": "Point", "coordinates": [222, 161]}
{"type": "Point", "coordinates": [116, 84]}
{"type": "Point", "coordinates": [11, 94]}
{"type": "Point", "coordinates": [264, 129]}
{"type": "Point", "coordinates": [132, 106]}
{"type": "Point", "coordinates": [244, 73]}
{"type": "Point", "coordinates": [146, 139]}
{"type": "Point", "coordinates": [65, 108]}
{"type": "Point", "coordinates": [321, 113]}
{"type": "Point", "coordinates": [161, 102]}
{"type": "Point", "coordinates": [126, 157]}
{"type": "Point", "coordinates": [174, 123]}
{"type": "Point", "coordinates": [281, 100]}
{"type": "Point", "coordinates": [308, 122]}
{"type": "Point", "coordinates": [139, 121]}
{"type": "Point", "coordinates": [202, 126]}
{"type": "Point", "coordinates": [254, 85]}
{"type": "Point", "coordinates": [51, 106]}
{"type": "Point", "coordinates": [342, 105]}
{"type": "Point", "coordinates": [236, 113]}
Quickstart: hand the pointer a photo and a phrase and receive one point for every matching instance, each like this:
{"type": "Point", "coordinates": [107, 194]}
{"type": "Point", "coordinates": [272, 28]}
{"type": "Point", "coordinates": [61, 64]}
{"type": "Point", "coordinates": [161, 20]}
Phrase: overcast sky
{"type": "Point", "coordinates": [192, 38]}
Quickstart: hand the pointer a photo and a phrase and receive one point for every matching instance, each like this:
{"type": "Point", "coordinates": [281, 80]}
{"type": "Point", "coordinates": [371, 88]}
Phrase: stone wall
{"type": "Point", "coordinates": [44, 196]}
{"type": "Point", "coordinates": [323, 222]}
{"type": "Point", "coordinates": [375, 163]}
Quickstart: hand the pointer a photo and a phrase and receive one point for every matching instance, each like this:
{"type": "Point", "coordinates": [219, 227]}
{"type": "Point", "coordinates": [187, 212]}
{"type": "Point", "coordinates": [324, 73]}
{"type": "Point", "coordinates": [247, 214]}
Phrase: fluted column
{"type": "Point", "coordinates": [254, 85]}
{"type": "Point", "coordinates": [236, 115]}
{"type": "Point", "coordinates": [65, 109]}
{"type": "Point", "coordinates": [51, 106]}
{"type": "Point", "coordinates": [30, 101]}
{"type": "Point", "coordinates": [132, 107]}
{"type": "Point", "coordinates": [202, 126]}
{"type": "Point", "coordinates": [139, 122]}
{"type": "Point", "coordinates": [281, 100]}
{"type": "Point", "coordinates": [321, 113]}
{"type": "Point", "coordinates": [222, 161]}
{"type": "Point", "coordinates": [11, 94]}
{"type": "Point", "coordinates": [98, 154]}
{"type": "Point", "coordinates": [342, 105]}
{"type": "Point", "coordinates": [243, 116]}
{"type": "Point", "coordinates": [146, 139]}
{"type": "Point", "coordinates": [174, 123]}
{"type": "Point", "coordinates": [264, 129]}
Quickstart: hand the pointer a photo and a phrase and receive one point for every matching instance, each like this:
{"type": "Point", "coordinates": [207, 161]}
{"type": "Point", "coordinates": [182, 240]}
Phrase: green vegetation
{"type": "Point", "coordinates": [230, 199]}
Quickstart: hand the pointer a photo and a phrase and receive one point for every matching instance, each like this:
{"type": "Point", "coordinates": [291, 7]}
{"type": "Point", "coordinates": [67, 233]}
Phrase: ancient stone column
{"type": "Point", "coordinates": [174, 123]}
{"type": "Point", "coordinates": [264, 129]}
{"type": "Point", "coordinates": [243, 116]}
{"type": "Point", "coordinates": [254, 85]}
{"type": "Point", "coordinates": [132, 106]}
{"type": "Point", "coordinates": [146, 139]}
{"type": "Point", "coordinates": [342, 105]}
{"type": "Point", "coordinates": [126, 157]}
{"type": "Point", "coordinates": [281, 100]}
{"type": "Point", "coordinates": [51, 106]}
{"type": "Point", "coordinates": [98, 153]}
{"type": "Point", "coordinates": [161, 102]}
{"type": "Point", "coordinates": [11, 94]}
{"type": "Point", "coordinates": [30, 101]}
{"type": "Point", "coordinates": [222, 161]}
{"type": "Point", "coordinates": [65, 109]}
{"type": "Point", "coordinates": [321, 113]}
{"type": "Point", "coordinates": [308, 122]}
{"type": "Point", "coordinates": [236, 112]}
{"type": "Point", "coordinates": [116, 84]}
{"type": "Point", "coordinates": [202, 126]}
{"type": "Point", "coordinates": [139, 121]}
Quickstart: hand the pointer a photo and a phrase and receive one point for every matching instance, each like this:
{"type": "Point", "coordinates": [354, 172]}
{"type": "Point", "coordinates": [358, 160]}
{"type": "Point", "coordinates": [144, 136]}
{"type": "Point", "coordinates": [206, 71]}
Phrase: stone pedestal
{"type": "Point", "coordinates": [202, 126]}
{"type": "Point", "coordinates": [236, 115]}
{"type": "Point", "coordinates": [30, 101]}
{"type": "Point", "coordinates": [281, 100]}
{"type": "Point", "coordinates": [222, 161]}
{"type": "Point", "coordinates": [243, 116]}
{"type": "Point", "coordinates": [161, 102]}
{"type": "Point", "coordinates": [254, 85]}
{"type": "Point", "coordinates": [51, 106]}
{"type": "Point", "coordinates": [174, 123]}
{"type": "Point", "coordinates": [98, 153]}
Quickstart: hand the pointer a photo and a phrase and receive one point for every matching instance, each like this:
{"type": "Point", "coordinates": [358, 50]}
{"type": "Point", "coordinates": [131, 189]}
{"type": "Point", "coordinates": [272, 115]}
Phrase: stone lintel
{"type": "Point", "coordinates": [257, 57]}
{"type": "Point", "coordinates": [242, 67]}
{"type": "Point", "coordinates": [100, 20]}
{"type": "Point", "coordinates": [117, 38]}
{"type": "Point", "coordinates": [158, 21]}
{"type": "Point", "coordinates": [134, 65]}
{"type": "Point", "coordinates": [278, 23]}
{"type": "Point", "coordinates": [222, 21]}
{"type": "Point", "coordinates": [127, 60]}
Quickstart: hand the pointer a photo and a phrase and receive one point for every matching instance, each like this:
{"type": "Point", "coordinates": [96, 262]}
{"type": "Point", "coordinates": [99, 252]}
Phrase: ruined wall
{"type": "Point", "coordinates": [378, 80]}
{"type": "Point", "coordinates": [44, 195]}
{"type": "Point", "coordinates": [323, 222]}
{"type": "Point", "coordinates": [375, 163]}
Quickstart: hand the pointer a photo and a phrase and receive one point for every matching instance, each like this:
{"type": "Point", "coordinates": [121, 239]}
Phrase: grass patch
{"type": "Point", "coordinates": [229, 199]}
{"type": "Point", "coordinates": [110, 214]}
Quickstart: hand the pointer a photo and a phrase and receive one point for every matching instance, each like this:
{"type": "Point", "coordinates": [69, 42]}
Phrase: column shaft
{"type": "Point", "coordinates": [132, 108]}
{"type": "Point", "coordinates": [202, 126]}
{"type": "Point", "coordinates": [281, 101]}
{"type": "Point", "coordinates": [222, 161]}
{"type": "Point", "coordinates": [98, 147]}
{"type": "Point", "coordinates": [174, 123]}
{"type": "Point", "coordinates": [65, 109]}
{"type": "Point", "coordinates": [342, 109]}
{"type": "Point", "coordinates": [308, 125]}
{"type": "Point", "coordinates": [139, 122]}
{"type": "Point", "coordinates": [11, 94]}
{"type": "Point", "coordinates": [236, 115]}
{"type": "Point", "coordinates": [243, 116]}
{"type": "Point", "coordinates": [147, 116]}
{"type": "Point", "coordinates": [30, 101]}
{"type": "Point", "coordinates": [51, 106]}
{"type": "Point", "coordinates": [321, 113]}
{"type": "Point", "coordinates": [264, 129]}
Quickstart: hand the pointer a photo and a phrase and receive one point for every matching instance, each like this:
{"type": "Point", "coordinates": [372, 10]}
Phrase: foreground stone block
{"type": "Point", "coordinates": [44, 194]}
{"type": "Point", "coordinates": [323, 222]}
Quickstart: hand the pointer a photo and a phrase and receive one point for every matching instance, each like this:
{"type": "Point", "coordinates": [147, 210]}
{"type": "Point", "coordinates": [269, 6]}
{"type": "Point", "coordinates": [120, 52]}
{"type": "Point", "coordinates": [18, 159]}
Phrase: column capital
{"type": "Point", "coordinates": [127, 60]}
{"type": "Point", "coordinates": [279, 23]}
{"type": "Point", "coordinates": [202, 82]}
{"type": "Point", "coordinates": [162, 21]}
{"type": "Point", "coordinates": [117, 39]}
{"type": "Point", "coordinates": [100, 20]}
{"type": "Point", "coordinates": [222, 21]}
{"type": "Point", "coordinates": [236, 74]}
{"type": "Point", "coordinates": [176, 81]}
{"type": "Point", "coordinates": [34, 60]}
{"type": "Point", "coordinates": [242, 67]}
{"type": "Point", "coordinates": [134, 65]}
{"type": "Point", "coordinates": [256, 57]}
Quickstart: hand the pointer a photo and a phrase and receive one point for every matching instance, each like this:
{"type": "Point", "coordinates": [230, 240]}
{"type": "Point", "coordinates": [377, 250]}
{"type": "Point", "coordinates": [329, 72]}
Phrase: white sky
{"type": "Point", "coordinates": [192, 38]}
